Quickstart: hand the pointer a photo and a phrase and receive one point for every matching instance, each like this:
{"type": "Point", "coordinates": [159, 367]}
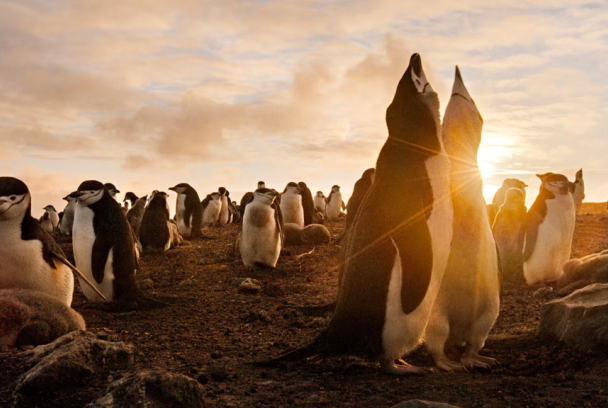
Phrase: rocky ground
{"type": "Point", "coordinates": [210, 332]}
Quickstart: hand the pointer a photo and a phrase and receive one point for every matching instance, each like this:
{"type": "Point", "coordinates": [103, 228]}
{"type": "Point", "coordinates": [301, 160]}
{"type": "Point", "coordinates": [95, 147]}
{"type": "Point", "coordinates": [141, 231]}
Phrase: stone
{"type": "Point", "coordinates": [579, 319]}
{"type": "Point", "coordinates": [70, 360]}
{"type": "Point", "coordinates": [248, 286]}
{"type": "Point", "coordinates": [581, 272]}
{"type": "Point", "coordinates": [423, 404]}
{"type": "Point", "coordinates": [152, 388]}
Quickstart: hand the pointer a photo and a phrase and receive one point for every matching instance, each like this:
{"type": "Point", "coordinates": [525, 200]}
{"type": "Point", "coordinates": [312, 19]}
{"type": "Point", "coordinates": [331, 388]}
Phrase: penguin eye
{"type": "Point", "coordinates": [13, 198]}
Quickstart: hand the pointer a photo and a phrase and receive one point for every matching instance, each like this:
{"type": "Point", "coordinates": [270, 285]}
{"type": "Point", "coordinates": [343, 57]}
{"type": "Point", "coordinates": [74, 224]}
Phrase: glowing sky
{"type": "Point", "coordinates": [147, 94]}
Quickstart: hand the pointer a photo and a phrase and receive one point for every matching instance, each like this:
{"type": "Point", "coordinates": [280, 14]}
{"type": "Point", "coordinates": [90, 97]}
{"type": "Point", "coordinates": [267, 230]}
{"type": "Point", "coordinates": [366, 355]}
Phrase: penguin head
{"type": "Point", "coordinates": [514, 197]}
{"type": "Point", "coordinates": [50, 208]}
{"type": "Point", "coordinates": [15, 200]}
{"type": "Point", "coordinates": [111, 189]}
{"type": "Point", "coordinates": [261, 184]}
{"type": "Point", "coordinates": [292, 187]}
{"type": "Point", "coordinates": [555, 183]}
{"type": "Point", "coordinates": [302, 186]}
{"type": "Point", "coordinates": [335, 189]}
{"type": "Point", "coordinates": [157, 198]}
{"type": "Point", "coordinates": [89, 192]}
{"type": "Point", "coordinates": [130, 196]}
{"type": "Point", "coordinates": [265, 195]}
{"type": "Point", "coordinates": [69, 199]}
{"type": "Point", "coordinates": [413, 115]}
{"type": "Point", "coordinates": [369, 174]}
{"type": "Point", "coordinates": [215, 196]}
{"type": "Point", "coordinates": [320, 194]}
{"type": "Point", "coordinates": [579, 175]}
{"type": "Point", "coordinates": [222, 191]}
{"type": "Point", "coordinates": [180, 188]}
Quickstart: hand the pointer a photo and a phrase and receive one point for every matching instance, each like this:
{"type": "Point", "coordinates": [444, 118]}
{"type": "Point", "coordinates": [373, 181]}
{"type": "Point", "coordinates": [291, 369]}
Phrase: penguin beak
{"type": "Point", "coordinates": [172, 188]}
{"type": "Point", "coordinates": [76, 194]}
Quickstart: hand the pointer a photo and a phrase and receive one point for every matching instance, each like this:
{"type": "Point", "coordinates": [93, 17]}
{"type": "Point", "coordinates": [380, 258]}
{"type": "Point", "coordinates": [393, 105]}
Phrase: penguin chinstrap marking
{"type": "Point", "coordinates": [469, 298]}
{"type": "Point", "coordinates": [104, 245]}
{"type": "Point", "coordinates": [291, 205]}
{"type": "Point", "coordinates": [155, 231]}
{"type": "Point", "coordinates": [30, 258]}
{"type": "Point", "coordinates": [189, 212]}
{"type": "Point", "coordinates": [335, 204]}
{"type": "Point", "coordinates": [548, 230]}
{"type": "Point", "coordinates": [308, 204]}
{"type": "Point", "coordinates": [261, 237]}
{"type": "Point", "coordinates": [398, 248]}
{"type": "Point", "coordinates": [359, 191]}
{"type": "Point", "coordinates": [578, 190]}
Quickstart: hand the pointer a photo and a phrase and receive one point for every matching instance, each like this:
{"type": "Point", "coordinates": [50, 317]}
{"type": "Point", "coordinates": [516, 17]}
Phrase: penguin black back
{"type": "Point", "coordinates": [307, 203]}
{"type": "Point", "coordinates": [361, 188]}
{"type": "Point", "coordinates": [154, 230]}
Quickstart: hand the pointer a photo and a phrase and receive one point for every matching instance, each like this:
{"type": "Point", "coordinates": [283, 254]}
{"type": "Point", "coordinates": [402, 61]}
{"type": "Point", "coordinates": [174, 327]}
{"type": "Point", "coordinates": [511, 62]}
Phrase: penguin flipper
{"type": "Point", "coordinates": [530, 227]}
{"type": "Point", "coordinates": [278, 219]}
{"type": "Point", "coordinates": [415, 250]}
{"type": "Point", "coordinates": [99, 255]}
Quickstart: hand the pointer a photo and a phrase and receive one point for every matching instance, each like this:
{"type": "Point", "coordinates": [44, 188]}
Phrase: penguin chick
{"type": "Point", "coordinates": [30, 317]}
{"type": "Point", "coordinates": [335, 204]}
{"type": "Point", "coordinates": [155, 229]}
{"type": "Point", "coordinates": [509, 237]}
{"type": "Point", "coordinates": [291, 204]}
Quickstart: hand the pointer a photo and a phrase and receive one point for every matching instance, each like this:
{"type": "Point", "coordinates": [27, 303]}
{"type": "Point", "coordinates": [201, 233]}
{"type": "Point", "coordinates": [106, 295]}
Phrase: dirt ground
{"type": "Point", "coordinates": [210, 332]}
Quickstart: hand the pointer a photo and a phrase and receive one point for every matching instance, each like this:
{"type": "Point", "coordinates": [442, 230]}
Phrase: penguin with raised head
{"type": "Point", "coordinates": [320, 202]}
{"type": "Point", "coordinates": [212, 208]}
{"type": "Point", "coordinates": [335, 204]}
{"type": "Point", "coordinates": [155, 231]}
{"type": "Point", "coordinates": [104, 245]}
{"type": "Point", "coordinates": [261, 184]}
{"type": "Point", "coordinates": [359, 191]}
{"type": "Point", "coordinates": [111, 189]}
{"type": "Point", "coordinates": [67, 220]}
{"type": "Point", "coordinates": [509, 235]}
{"type": "Point", "coordinates": [308, 204]}
{"type": "Point", "coordinates": [30, 258]}
{"type": "Point", "coordinates": [499, 196]}
{"type": "Point", "coordinates": [548, 230]}
{"type": "Point", "coordinates": [469, 298]}
{"type": "Point", "coordinates": [189, 212]}
{"type": "Point", "coordinates": [224, 217]}
{"type": "Point", "coordinates": [578, 190]}
{"type": "Point", "coordinates": [399, 245]}
{"type": "Point", "coordinates": [291, 204]}
{"type": "Point", "coordinates": [261, 236]}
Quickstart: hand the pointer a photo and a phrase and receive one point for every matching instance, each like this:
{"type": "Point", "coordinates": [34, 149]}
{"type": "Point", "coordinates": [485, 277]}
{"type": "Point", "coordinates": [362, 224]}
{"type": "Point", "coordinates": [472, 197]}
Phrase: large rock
{"type": "Point", "coordinates": [579, 273]}
{"type": "Point", "coordinates": [152, 389]}
{"type": "Point", "coordinates": [423, 404]}
{"type": "Point", "coordinates": [579, 319]}
{"type": "Point", "coordinates": [70, 360]}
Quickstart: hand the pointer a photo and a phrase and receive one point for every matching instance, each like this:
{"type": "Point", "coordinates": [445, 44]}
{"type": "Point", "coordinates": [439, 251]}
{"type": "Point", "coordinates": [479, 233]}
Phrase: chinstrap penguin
{"type": "Point", "coordinates": [359, 191]}
{"type": "Point", "coordinates": [291, 204]}
{"type": "Point", "coordinates": [155, 230]}
{"type": "Point", "coordinates": [578, 190]}
{"type": "Point", "coordinates": [224, 217]}
{"type": "Point", "coordinates": [509, 235]}
{"type": "Point", "coordinates": [335, 204]}
{"type": "Point", "coordinates": [111, 189]}
{"type": "Point", "coordinates": [67, 220]}
{"type": "Point", "coordinates": [499, 196]}
{"type": "Point", "coordinates": [307, 203]}
{"type": "Point", "coordinates": [320, 202]}
{"type": "Point", "coordinates": [212, 209]}
{"type": "Point", "coordinates": [189, 212]}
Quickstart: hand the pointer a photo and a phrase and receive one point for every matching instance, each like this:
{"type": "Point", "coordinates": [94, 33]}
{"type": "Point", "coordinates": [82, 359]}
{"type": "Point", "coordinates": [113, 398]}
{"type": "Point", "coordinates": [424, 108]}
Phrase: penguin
{"type": "Point", "coordinates": [136, 212]}
{"type": "Point", "coordinates": [104, 245]}
{"type": "Point", "coordinates": [53, 216]}
{"type": "Point", "coordinates": [67, 220]}
{"type": "Point", "coordinates": [499, 196]}
{"type": "Point", "coordinates": [578, 190]}
{"type": "Point", "coordinates": [130, 198]}
{"type": "Point", "coordinates": [291, 204]}
{"type": "Point", "coordinates": [30, 317]}
{"type": "Point", "coordinates": [320, 202]}
{"type": "Point", "coordinates": [548, 230]}
{"type": "Point", "coordinates": [189, 212]}
{"type": "Point", "coordinates": [155, 231]}
{"type": "Point", "coordinates": [46, 224]}
{"type": "Point", "coordinates": [111, 189]}
{"type": "Point", "coordinates": [261, 235]}
{"type": "Point", "coordinates": [224, 217]}
{"type": "Point", "coordinates": [335, 205]}
{"type": "Point", "coordinates": [507, 230]}
{"type": "Point", "coordinates": [399, 245]}
{"type": "Point", "coordinates": [359, 191]}
{"type": "Point", "coordinates": [30, 258]}
{"type": "Point", "coordinates": [212, 208]}
{"type": "Point", "coordinates": [468, 301]}
{"type": "Point", "coordinates": [307, 203]}
{"type": "Point", "coordinates": [261, 184]}
{"type": "Point", "coordinates": [244, 201]}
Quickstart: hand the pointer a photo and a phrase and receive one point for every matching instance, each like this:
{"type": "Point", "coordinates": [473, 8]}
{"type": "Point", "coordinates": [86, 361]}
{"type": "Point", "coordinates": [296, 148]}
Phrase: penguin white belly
{"type": "Point", "coordinates": [65, 225]}
{"type": "Point", "coordinates": [334, 206]}
{"type": "Point", "coordinates": [180, 212]}
{"type": "Point", "coordinates": [212, 212]}
{"type": "Point", "coordinates": [83, 238]}
{"type": "Point", "coordinates": [24, 267]}
{"type": "Point", "coordinates": [47, 226]}
{"type": "Point", "coordinates": [224, 212]}
{"type": "Point", "coordinates": [403, 332]}
{"type": "Point", "coordinates": [320, 203]}
{"type": "Point", "coordinates": [553, 242]}
{"type": "Point", "coordinates": [54, 219]}
{"type": "Point", "coordinates": [292, 210]}
{"type": "Point", "coordinates": [260, 238]}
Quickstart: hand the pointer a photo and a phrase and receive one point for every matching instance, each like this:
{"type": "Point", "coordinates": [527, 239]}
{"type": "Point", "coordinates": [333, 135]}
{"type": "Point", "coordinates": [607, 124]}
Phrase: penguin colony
{"type": "Point", "coordinates": [422, 254]}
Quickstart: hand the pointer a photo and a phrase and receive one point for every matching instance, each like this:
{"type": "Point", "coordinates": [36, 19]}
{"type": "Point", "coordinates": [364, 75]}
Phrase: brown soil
{"type": "Point", "coordinates": [210, 332]}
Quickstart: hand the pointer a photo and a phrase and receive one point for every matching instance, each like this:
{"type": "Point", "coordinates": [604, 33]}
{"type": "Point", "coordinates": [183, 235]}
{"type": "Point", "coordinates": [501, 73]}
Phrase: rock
{"type": "Point", "coordinates": [581, 272]}
{"type": "Point", "coordinates": [423, 404]}
{"type": "Point", "coordinates": [30, 317]}
{"type": "Point", "coordinates": [152, 388]}
{"type": "Point", "coordinates": [579, 319]}
{"type": "Point", "coordinates": [543, 291]}
{"type": "Point", "coordinates": [70, 360]}
{"type": "Point", "coordinates": [248, 287]}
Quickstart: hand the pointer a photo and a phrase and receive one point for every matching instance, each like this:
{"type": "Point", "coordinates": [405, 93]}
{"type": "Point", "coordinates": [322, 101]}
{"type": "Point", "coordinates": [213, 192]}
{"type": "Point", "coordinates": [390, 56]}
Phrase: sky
{"type": "Point", "coordinates": [147, 94]}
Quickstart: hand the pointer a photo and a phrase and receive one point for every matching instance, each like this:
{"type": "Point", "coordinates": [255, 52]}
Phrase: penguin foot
{"type": "Point", "coordinates": [476, 361]}
{"type": "Point", "coordinates": [446, 364]}
{"type": "Point", "coordinates": [388, 366]}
